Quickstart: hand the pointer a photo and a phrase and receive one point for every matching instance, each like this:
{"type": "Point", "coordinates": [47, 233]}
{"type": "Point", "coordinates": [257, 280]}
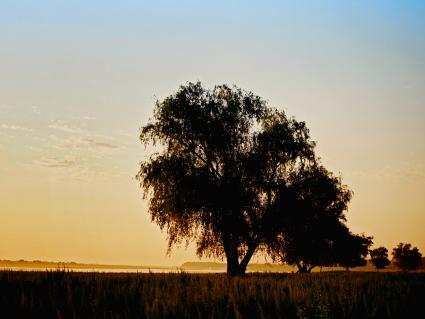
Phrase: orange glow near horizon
{"type": "Point", "coordinates": [75, 89]}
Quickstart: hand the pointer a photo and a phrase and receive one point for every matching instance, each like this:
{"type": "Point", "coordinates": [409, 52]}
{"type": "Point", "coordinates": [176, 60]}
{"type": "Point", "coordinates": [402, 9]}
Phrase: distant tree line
{"type": "Point", "coordinates": [239, 177]}
{"type": "Point", "coordinates": [404, 257]}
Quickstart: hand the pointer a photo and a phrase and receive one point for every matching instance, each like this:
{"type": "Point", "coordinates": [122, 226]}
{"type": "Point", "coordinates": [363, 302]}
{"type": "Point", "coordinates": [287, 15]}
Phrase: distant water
{"type": "Point", "coordinates": [115, 270]}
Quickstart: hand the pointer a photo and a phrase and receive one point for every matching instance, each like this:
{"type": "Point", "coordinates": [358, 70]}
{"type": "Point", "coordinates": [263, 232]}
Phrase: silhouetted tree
{"type": "Point", "coordinates": [379, 257]}
{"type": "Point", "coordinates": [314, 202]}
{"type": "Point", "coordinates": [407, 258]}
{"type": "Point", "coordinates": [224, 155]}
{"type": "Point", "coordinates": [352, 250]}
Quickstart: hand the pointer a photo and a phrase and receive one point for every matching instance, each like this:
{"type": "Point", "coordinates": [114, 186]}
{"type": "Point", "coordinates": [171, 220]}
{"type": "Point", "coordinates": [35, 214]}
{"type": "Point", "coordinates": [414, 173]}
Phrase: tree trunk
{"type": "Point", "coordinates": [231, 252]}
{"type": "Point", "coordinates": [234, 268]}
{"type": "Point", "coordinates": [246, 259]}
{"type": "Point", "coordinates": [301, 268]}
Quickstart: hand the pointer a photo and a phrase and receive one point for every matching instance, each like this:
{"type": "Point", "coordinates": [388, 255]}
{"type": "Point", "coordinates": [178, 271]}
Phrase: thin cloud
{"type": "Point", "coordinates": [84, 118]}
{"type": "Point", "coordinates": [99, 144]}
{"type": "Point", "coordinates": [55, 162]}
{"type": "Point", "coordinates": [5, 106]}
{"type": "Point", "coordinates": [16, 128]}
{"type": "Point", "coordinates": [66, 128]}
{"type": "Point", "coordinates": [79, 143]}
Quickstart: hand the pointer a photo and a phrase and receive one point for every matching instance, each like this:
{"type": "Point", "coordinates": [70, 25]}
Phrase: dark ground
{"type": "Point", "coordinates": [62, 294]}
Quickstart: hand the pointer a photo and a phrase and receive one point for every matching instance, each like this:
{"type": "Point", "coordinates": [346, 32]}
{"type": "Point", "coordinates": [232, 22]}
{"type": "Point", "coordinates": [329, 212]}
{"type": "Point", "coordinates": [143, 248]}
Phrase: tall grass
{"type": "Point", "coordinates": [62, 294]}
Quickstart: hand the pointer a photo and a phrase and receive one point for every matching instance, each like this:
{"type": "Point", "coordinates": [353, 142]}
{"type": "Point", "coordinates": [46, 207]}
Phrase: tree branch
{"type": "Point", "coordinates": [205, 161]}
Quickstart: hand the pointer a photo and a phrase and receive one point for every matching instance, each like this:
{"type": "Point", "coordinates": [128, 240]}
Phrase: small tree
{"type": "Point", "coordinates": [379, 257]}
{"type": "Point", "coordinates": [407, 258]}
{"type": "Point", "coordinates": [352, 250]}
{"type": "Point", "coordinates": [314, 201]}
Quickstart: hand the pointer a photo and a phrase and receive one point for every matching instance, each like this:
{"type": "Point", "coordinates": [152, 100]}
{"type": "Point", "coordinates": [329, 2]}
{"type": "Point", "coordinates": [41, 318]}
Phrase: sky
{"type": "Point", "coordinates": [78, 79]}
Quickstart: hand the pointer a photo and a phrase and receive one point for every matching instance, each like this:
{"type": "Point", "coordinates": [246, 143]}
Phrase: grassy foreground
{"type": "Point", "coordinates": [62, 294]}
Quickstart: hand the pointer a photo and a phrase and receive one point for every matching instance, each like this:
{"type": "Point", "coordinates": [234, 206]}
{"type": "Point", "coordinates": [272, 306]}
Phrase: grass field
{"type": "Point", "coordinates": [62, 294]}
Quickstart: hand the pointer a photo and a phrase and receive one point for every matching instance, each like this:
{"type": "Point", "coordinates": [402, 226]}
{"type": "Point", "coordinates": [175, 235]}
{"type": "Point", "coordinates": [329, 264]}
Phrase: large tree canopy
{"type": "Point", "coordinates": [224, 155]}
{"type": "Point", "coordinates": [237, 176]}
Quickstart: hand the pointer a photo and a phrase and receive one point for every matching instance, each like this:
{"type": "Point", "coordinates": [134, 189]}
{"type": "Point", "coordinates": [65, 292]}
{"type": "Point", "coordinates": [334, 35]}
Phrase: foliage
{"type": "Point", "coordinates": [379, 257]}
{"type": "Point", "coordinates": [312, 232]}
{"type": "Point", "coordinates": [224, 156]}
{"type": "Point", "coordinates": [314, 202]}
{"type": "Point", "coordinates": [317, 295]}
{"type": "Point", "coordinates": [352, 250]}
{"type": "Point", "coordinates": [240, 177]}
{"type": "Point", "coordinates": [407, 258]}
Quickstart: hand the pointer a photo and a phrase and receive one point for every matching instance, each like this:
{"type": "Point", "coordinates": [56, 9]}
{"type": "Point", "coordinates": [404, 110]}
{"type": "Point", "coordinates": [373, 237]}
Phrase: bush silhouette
{"type": "Point", "coordinates": [407, 258]}
{"type": "Point", "coordinates": [379, 257]}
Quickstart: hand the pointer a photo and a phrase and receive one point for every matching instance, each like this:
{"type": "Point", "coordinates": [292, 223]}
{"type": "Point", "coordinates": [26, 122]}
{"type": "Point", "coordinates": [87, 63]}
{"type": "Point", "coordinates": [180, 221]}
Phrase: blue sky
{"type": "Point", "coordinates": [78, 79]}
